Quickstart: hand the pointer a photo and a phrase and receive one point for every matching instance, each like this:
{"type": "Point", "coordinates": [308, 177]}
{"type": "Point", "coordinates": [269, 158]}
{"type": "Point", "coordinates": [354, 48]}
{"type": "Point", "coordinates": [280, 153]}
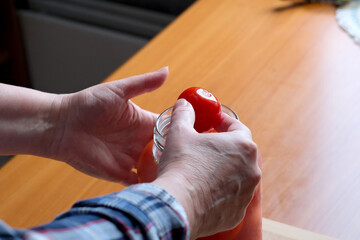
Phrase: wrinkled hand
{"type": "Point", "coordinates": [213, 175]}
{"type": "Point", "coordinates": [100, 132]}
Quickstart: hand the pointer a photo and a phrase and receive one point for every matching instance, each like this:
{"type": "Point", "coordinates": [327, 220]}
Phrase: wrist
{"type": "Point", "coordinates": [28, 118]}
{"type": "Point", "coordinates": [51, 134]}
{"type": "Point", "coordinates": [184, 192]}
{"type": "Point", "coordinates": [38, 135]}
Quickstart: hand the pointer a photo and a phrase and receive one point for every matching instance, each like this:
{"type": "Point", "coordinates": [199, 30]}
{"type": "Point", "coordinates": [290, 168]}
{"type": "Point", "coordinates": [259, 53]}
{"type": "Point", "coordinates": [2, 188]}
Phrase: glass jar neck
{"type": "Point", "coordinates": [161, 130]}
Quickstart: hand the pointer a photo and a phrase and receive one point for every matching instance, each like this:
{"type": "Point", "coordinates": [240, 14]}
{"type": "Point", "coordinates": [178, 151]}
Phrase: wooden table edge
{"type": "Point", "coordinates": [273, 230]}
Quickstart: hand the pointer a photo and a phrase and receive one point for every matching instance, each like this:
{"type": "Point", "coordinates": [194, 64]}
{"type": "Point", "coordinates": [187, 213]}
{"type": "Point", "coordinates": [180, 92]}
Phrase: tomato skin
{"type": "Point", "coordinates": [206, 106]}
{"type": "Point", "coordinates": [146, 166]}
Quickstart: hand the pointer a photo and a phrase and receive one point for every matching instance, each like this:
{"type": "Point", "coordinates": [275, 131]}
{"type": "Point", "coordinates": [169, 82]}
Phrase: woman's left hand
{"type": "Point", "coordinates": [100, 132]}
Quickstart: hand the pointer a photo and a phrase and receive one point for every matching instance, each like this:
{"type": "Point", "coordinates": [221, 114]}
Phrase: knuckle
{"type": "Point", "coordinates": [249, 149]}
{"type": "Point", "coordinates": [176, 128]}
{"type": "Point", "coordinates": [256, 176]}
{"type": "Point", "coordinates": [248, 132]}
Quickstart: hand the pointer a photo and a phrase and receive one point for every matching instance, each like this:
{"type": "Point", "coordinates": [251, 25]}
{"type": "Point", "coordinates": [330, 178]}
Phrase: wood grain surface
{"type": "Point", "coordinates": [293, 77]}
{"type": "Point", "coordinates": [273, 230]}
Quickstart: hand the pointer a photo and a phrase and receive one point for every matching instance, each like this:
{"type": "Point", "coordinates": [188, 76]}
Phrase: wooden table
{"type": "Point", "coordinates": [293, 77]}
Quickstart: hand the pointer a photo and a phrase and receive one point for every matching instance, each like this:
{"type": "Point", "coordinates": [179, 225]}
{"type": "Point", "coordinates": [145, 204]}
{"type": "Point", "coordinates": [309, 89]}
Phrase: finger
{"type": "Point", "coordinates": [229, 124]}
{"type": "Point", "coordinates": [124, 177]}
{"type": "Point", "coordinates": [183, 115]}
{"type": "Point", "coordinates": [136, 85]}
{"type": "Point", "coordinates": [132, 178]}
{"type": "Point", "coordinates": [147, 114]}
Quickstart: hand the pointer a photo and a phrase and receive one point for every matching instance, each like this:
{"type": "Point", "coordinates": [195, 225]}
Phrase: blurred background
{"type": "Point", "coordinates": [63, 46]}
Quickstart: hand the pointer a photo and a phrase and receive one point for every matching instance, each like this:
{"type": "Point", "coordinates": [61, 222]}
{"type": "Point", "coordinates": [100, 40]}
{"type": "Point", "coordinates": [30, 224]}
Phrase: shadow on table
{"type": "Point", "coordinates": [4, 160]}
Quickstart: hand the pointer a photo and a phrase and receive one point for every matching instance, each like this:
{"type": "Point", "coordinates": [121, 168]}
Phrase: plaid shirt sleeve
{"type": "Point", "coordinates": [142, 211]}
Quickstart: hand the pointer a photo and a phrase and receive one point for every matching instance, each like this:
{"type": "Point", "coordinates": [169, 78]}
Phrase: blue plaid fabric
{"type": "Point", "coordinates": [142, 211]}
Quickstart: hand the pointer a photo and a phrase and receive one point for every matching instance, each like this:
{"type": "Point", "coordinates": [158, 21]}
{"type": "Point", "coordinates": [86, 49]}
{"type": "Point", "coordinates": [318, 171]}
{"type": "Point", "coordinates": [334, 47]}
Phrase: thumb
{"type": "Point", "coordinates": [133, 86]}
{"type": "Point", "coordinates": [183, 115]}
{"type": "Point", "coordinates": [136, 85]}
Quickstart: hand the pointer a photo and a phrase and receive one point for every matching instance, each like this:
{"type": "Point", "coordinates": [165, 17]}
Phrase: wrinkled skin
{"type": "Point", "coordinates": [211, 174]}
{"type": "Point", "coordinates": [100, 132]}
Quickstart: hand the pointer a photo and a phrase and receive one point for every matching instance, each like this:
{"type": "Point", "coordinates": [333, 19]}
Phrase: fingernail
{"type": "Point", "coordinates": [183, 102]}
{"type": "Point", "coordinates": [163, 69]}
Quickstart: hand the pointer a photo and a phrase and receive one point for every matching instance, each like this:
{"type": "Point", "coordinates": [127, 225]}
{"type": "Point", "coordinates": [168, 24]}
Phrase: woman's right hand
{"type": "Point", "coordinates": [213, 175]}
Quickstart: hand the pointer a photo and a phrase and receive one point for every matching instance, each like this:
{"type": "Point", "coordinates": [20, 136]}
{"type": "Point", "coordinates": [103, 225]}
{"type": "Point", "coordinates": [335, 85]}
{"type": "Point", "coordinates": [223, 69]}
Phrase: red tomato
{"type": "Point", "coordinates": [146, 166]}
{"type": "Point", "coordinates": [206, 106]}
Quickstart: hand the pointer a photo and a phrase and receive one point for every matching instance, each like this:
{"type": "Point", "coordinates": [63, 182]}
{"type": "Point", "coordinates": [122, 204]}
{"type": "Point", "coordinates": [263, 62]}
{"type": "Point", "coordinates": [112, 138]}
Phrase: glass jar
{"type": "Point", "coordinates": [250, 228]}
{"type": "Point", "coordinates": [162, 127]}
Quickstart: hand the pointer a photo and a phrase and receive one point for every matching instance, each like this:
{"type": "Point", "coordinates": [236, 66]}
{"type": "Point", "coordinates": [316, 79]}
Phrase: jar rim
{"type": "Point", "coordinates": [158, 136]}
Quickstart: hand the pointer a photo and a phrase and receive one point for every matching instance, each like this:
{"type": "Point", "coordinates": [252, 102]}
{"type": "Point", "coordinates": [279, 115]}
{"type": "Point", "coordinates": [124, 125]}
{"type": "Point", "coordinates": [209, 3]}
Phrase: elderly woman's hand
{"type": "Point", "coordinates": [213, 175]}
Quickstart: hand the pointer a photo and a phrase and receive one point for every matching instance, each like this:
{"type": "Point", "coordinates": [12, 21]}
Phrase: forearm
{"type": "Point", "coordinates": [142, 211]}
{"type": "Point", "coordinates": [27, 119]}
{"type": "Point", "coordinates": [183, 192]}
